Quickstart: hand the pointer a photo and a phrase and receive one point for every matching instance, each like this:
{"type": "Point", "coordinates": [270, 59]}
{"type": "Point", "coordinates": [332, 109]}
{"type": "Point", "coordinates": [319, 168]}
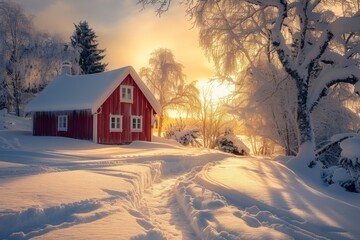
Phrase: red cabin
{"type": "Point", "coordinates": [113, 107]}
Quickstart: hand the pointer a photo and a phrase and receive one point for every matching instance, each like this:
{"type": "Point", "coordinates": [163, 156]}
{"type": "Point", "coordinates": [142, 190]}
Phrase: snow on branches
{"type": "Point", "coordinates": [316, 48]}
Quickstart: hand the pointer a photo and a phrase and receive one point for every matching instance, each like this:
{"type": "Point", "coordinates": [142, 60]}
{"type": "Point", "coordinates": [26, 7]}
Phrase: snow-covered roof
{"type": "Point", "coordinates": [69, 92]}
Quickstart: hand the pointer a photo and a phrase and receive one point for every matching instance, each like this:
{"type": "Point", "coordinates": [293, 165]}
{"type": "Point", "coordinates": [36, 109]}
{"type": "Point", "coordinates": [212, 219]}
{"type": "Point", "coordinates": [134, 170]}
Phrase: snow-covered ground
{"type": "Point", "coordinates": [61, 188]}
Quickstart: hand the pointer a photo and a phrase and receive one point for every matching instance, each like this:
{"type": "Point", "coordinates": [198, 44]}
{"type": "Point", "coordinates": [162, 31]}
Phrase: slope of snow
{"type": "Point", "coordinates": [61, 188]}
{"type": "Point", "coordinates": [274, 197]}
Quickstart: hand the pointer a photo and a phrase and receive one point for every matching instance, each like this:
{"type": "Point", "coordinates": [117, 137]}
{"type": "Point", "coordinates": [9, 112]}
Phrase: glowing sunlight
{"type": "Point", "coordinates": [215, 89]}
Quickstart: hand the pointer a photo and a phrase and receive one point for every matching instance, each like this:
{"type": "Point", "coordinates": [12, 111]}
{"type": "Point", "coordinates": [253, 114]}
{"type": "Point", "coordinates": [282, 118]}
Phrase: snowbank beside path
{"type": "Point", "coordinates": [37, 204]}
{"type": "Point", "coordinates": [270, 201]}
{"type": "Point", "coordinates": [212, 217]}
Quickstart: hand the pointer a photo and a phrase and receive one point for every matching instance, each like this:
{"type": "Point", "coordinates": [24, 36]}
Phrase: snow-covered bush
{"type": "Point", "coordinates": [329, 152]}
{"type": "Point", "coordinates": [182, 135]}
{"type": "Point", "coordinates": [347, 171]}
{"type": "Point", "coordinates": [231, 144]}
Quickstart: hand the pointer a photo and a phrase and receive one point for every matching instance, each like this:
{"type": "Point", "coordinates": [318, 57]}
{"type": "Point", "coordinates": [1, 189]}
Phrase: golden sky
{"type": "Point", "coordinates": [128, 33]}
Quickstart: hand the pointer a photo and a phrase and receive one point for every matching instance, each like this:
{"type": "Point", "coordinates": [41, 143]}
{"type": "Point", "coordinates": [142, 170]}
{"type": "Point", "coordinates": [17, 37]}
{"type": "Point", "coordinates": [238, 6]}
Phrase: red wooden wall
{"type": "Point", "coordinates": [139, 107]}
{"type": "Point", "coordinates": [80, 124]}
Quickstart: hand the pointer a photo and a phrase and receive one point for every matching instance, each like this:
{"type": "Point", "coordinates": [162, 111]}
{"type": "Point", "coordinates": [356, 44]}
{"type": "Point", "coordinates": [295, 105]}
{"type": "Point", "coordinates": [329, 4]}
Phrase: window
{"type": "Point", "coordinates": [136, 123]}
{"type": "Point", "coordinates": [62, 123]}
{"type": "Point", "coordinates": [115, 123]}
{"type": "Point", "coordinates": [126, 94]}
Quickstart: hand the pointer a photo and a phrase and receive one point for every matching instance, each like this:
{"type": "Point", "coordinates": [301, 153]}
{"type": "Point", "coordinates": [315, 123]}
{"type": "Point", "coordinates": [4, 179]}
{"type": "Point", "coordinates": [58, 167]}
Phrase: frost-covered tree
{"type": "Point", "coordinates": [29, 59]}
{"type": "Point", "coordinates": [45, 60]}
{"type": "Point", "coordinates": [15, 44]}
{"type": "Point", "coordinates": [212, 116]}
{"type": "Point", "coordinates": [303, 33]}
{"type": "Point", "coordinates": [4, 89]}
{"type": "Point", "coordinates": [270, 108]}
{"type": "Point", "coordinates": [166, 80]}
{"type": "Point", "coordinates": [84, 39]}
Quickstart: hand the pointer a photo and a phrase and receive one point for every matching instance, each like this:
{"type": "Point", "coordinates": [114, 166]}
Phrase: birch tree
{"type": "Point", "coordinates": [303, 33]}
{"type": "Point", "coordinates": [270, 109]}
{"type": "Point", "coordinates": [165, 78]}
{"type": "Point", "coordinates": [15, 40]}
{"type": "Point", "coordinates": [45, 59]}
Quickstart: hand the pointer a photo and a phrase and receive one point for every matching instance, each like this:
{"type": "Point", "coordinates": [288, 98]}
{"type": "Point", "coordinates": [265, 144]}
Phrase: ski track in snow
{"type": "Point", "coordinates": [167, 191]}
{"type": "Point", "coordinates": [161, 207]}
{"type": "Point", "coordinates": [257, 214]}
{"type": "Point", "coordinates": [175, 203]}
{"type": "Point", "coordinates": [156, 210]}
{"type": "Point", "coordinates": [34, 222]}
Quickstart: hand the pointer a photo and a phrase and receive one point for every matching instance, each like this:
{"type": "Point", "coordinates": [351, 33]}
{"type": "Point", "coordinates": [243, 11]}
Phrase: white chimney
{"type": "Point", "coordinates": [66, 68]}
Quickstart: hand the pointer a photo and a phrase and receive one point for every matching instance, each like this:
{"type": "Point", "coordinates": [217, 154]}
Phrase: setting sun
{"type": "Point", "coordinates": [216, 90]}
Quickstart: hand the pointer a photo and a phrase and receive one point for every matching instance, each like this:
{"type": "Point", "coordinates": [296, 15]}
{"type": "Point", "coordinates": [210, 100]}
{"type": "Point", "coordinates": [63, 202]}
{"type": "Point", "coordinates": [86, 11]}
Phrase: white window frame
{"type": "Point", "coordinates": [138, 123]}
{"type": "Point", "coordinates": [129, 93]}
{"type": "Point", "coordinates": [62, 124]}
{"type": "Point", "coordinates": [120, 120]}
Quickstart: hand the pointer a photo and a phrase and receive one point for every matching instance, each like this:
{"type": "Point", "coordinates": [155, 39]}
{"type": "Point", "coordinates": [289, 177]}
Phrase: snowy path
{"type": "Point", "coordinates": [61, 188]}
{"type": "Point", "coordinates": [162, 208]}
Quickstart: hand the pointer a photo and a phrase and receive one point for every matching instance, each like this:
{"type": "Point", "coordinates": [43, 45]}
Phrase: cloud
{"type": "Point", "coordinates": [57, 18]}
{"type": "Point", "coordinates": [135, 37]}
{"type": "Point", "coordinates": [128, 33]}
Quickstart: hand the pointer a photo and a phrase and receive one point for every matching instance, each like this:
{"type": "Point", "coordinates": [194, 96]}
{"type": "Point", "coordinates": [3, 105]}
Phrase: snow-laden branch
{"type": "Point", "coordinates": [313, 4]}
{"type": "Point", "coordinates": [357, 87]}
{"type": "Point", "coordinates": [278, 42]}
{"type": "Point", "coordinates": [274, 3]}
{"type": "Point", "coordinates": [317, 50]}
{"type": "Point", "coordinates": [339, 60]}
{"type": "Point", "coordinates": [329, 78]}
{"type": "Point", "coordinates": [304, 23]}
{"type": "Point", "coordinates": [335, 29]}
{"type": "Point", "coordinates": [353, 51]}
{"type": "Point", "coordinates": [162, 5]}
{"type": "Point", "coordinates": [345, 25]}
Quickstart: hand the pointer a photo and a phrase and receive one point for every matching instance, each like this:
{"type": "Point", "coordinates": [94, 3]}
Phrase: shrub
{"type": "Point", "coordinates": [231, 144]}
{"type": "Point", "coordinates": [347, 172]}
{"type": "Point", "coordinates": [183, 136]}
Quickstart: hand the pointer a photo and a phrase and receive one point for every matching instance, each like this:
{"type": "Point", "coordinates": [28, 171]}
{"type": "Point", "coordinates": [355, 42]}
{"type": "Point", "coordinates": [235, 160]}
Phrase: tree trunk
{"type": "Point", "coordinates": [306, 132]}
{"type": "Point", "coordinates": [161, 119]}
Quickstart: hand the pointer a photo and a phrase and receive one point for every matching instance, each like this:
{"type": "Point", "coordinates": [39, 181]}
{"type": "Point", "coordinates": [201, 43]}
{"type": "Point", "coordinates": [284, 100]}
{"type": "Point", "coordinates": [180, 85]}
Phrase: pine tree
{"type": "Point", "coordinates": [84, 39]}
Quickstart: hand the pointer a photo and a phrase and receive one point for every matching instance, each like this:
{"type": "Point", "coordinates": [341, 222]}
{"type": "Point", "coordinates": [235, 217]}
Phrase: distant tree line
{"type": "Point", "coordinates": [29, 59]}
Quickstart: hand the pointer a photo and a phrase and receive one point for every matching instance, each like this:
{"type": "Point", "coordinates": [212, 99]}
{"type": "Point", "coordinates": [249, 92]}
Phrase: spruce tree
{"type": "Point", "coordinates": [84, 39]}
